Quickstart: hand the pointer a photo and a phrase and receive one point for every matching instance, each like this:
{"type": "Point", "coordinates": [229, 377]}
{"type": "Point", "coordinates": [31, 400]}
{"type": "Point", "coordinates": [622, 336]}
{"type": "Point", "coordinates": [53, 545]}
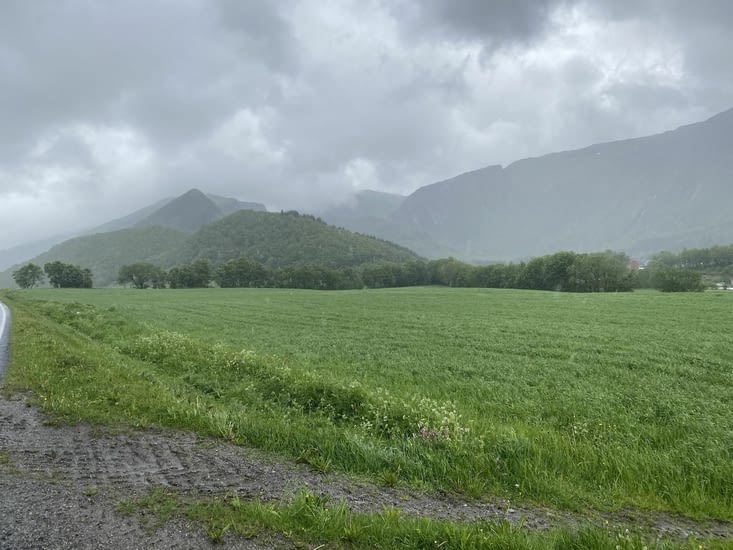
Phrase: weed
{"type": "Point", "coordinates": [390, 478]}
{"type": "Point", "coordinates": [314, 458]}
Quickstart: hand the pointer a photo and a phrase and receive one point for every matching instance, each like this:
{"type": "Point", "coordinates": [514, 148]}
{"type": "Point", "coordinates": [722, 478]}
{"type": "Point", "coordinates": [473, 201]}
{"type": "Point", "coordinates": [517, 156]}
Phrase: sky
{"type": "Point", "coordinates": [107, 106]}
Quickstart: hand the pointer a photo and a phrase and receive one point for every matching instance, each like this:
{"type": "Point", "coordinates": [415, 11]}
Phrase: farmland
{"type": "Point", "coordinates": [567, 401]}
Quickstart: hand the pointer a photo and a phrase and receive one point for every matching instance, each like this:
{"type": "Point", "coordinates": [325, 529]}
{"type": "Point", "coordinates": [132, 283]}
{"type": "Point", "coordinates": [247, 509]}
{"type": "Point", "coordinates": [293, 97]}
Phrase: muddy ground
{"type": "Point", "coordinates": [60, 488]}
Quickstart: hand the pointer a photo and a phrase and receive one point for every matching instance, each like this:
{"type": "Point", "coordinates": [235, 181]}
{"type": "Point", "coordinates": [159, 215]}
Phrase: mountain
{"type": "Point", "coordinates": [22, 253]}
{"type": "Point", "coordinates": [363, 211]}
{"type": "Point", "coordinates": [131, 220]}
{"type": "Point", "coordinates": [276, 240]}
{"type": "Point", "coordinates": [284, 240]}
{"type": "Point", "coordinates": [18, 254]}
{"type": "Point", "coordinates": [670, 190]}
{"type": "Point", "coordinates": [228, 205]}
{"type": "Point", "coordinates": [373, 213]}
{"type": "Point", "coordinates": [364, 204]}
{"type": "Point", "coordinates": [105, 253]}
{"type": "Point", "coordinates": [186, 213]}
{"type": "Point", "coordinates": [194, 209]}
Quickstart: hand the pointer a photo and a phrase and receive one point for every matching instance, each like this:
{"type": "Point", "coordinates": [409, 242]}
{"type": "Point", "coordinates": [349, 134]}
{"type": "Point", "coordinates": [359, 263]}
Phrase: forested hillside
{"type": "Point", "coordinates": [284, 240]}
{"type": "Point", "coordinates": [274, 240]}
{"type": "Point", "coordinates": [105, 253]}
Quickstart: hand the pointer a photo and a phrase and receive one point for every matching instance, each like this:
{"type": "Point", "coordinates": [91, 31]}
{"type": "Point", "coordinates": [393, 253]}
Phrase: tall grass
{"type": "Point", "coordinates": [309, 520]}
{"type": "Point", "coordinates": [570, 401]}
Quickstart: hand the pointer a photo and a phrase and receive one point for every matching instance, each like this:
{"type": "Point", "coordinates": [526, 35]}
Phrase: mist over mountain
{"type": "Point", "coordinates": [229, 205]}
{"type": "Point", "coordinates": [105, 253]}
{"type": "Point", "coordinates": [642, 195]}
{"type": "Point", "coordinates": [281, 240]}
{"type": "Point", "coordinates": [186, 213]}
{"type": "Point", "coordinates": [663, 192]}
{"type": "Point", "coordinates": [363, 211]}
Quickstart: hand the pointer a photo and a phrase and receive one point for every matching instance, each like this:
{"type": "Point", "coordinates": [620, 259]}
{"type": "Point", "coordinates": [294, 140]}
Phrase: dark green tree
{"type": "Point", "coordinates": [54, 272]}
{"type": "Point", "coordinates": [28, 276]}
{"type": "Point", "coordinates": [242, 273]}
{"type": "Point", "coordinates": [62, 275]}
{"type": "Point", "coordinates": [600, 272]}
{"type": "Point", "coordinates": [196, 275]}
{"type": "Point", "coordinates": [201, 275]}
{"type": "Point", "coordinates": [533, 274]}
{"type": "Point", "coordinates": [670, 279]}
{"type": "Point", "coordinates": [451, 272]}
{"type": "Point", "coordinates": [141, 275]}
{"type": "Point", "coordinates": [413, 273]}
{"type": "Point", "coordinates": [557, 271]}
{"type": "Point", "coordinates": [379, 276]}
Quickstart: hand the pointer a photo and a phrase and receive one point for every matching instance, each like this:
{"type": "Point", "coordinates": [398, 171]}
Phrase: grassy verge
{"type": "Point", "coordinates": [574, 402]}
{"type": "Point", "coordinates": [310, 521]}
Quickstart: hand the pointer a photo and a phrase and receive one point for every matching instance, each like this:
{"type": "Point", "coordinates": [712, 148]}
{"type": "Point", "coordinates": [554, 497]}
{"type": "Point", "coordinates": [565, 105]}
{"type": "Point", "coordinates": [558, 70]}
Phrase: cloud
{"type": "Point", "coordinates": [490, 22]}
{"type": "Point", "coordinates": [109, 106]}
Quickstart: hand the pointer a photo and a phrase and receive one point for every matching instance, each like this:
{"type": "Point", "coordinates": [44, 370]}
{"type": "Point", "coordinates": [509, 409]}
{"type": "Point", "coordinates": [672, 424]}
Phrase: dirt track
{"type": "Point", "coordinates": [60, 487]}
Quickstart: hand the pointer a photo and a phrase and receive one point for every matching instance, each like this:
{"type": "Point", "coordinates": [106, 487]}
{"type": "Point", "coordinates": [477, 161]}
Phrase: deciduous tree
{"type": "Point", "coordinates": [28, 276]}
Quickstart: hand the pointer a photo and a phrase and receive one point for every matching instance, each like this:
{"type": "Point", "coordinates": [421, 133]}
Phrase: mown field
{"type": "Point", "coordinates": [569, 401]}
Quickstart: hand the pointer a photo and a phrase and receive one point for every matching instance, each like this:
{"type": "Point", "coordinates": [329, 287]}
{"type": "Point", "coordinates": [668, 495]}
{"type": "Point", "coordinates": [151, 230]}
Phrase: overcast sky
{"type": "Point", "coordinates": [107, 106]}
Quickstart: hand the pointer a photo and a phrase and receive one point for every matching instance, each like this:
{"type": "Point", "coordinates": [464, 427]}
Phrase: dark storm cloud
{"type": "Point", "coordinates": [489, 21]}
{"type": "Point", "coordinates": [709, 12]}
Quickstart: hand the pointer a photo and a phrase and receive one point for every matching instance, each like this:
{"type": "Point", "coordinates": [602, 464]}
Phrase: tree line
{"type": "Point", "coordinates": [715, 258]}
{"type": "Point", "coordinates": [60, 275]}
{"type": "Point", "coordinates": [564, 271]}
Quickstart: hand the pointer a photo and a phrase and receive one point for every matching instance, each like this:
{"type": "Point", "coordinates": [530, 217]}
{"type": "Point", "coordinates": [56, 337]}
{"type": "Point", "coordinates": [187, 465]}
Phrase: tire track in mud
{"type": "Point", "coordinates": [68, 463]}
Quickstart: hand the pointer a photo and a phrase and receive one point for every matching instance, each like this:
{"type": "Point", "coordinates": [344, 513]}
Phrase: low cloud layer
{"type": "Point", "coordinates": [109, 106]}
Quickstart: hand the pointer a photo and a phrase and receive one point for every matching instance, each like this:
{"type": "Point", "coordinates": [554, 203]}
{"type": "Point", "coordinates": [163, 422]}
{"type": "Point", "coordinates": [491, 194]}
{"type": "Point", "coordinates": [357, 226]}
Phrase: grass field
{"type": "Point", "coordinates": [571, 401]}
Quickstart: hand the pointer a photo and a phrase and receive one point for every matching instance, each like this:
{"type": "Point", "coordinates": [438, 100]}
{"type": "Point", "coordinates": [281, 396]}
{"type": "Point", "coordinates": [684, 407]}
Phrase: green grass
{"type": "Point", "coordinates": [310, 521]}
{"type": "Point", "coordinates": [600, 401]}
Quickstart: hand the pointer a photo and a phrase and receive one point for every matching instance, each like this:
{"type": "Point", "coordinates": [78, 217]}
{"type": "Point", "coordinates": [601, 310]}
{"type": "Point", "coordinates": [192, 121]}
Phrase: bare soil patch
{"type": "Point", "coordinates": [61, 485]}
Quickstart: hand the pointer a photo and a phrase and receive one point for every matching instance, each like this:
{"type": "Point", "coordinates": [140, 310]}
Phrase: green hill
{"type": "Point", "coordinates": [105, 253]}
{"type": "Point", "coordinates": [283, 240]}
{"type": "Point", "coordinates": [276, 240]}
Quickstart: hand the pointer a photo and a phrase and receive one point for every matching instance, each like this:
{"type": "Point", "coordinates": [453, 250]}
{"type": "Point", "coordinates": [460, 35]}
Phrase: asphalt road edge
{"type": "Point", "coordinates": [5, 323]}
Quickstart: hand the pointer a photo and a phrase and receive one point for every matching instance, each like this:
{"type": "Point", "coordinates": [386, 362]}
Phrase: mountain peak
{"type": "Point", "coordinates": [194, 209]}
{"type": "Point", "coordinates": [187, 212]}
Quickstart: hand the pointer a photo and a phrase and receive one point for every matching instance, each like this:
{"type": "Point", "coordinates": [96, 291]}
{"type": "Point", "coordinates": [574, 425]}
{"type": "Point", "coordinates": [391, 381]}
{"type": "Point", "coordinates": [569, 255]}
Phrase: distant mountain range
{"type": "Point", "coordinates": [663, 192]}
{"type": "Point", "coordinates": [666, 191]}
{"type": "Point", "coordinates": [191, 227]}
{"type": "Point", "coordinates": [186, 213]}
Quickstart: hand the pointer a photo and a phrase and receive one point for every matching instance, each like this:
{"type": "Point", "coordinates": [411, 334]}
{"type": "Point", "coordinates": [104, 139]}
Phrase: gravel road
{"type": "Point", "coordinates": [60, 487]}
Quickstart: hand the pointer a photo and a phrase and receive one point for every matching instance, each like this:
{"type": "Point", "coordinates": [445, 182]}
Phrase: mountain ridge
{"type": "Point", "coordinates": [639, 195]}
{"type": "Point", "coordinates": [671, 187]}
{"type": "Point", "coordinates": [280, 240]}
{"type": "Point", "coordinates": [155, 213]}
